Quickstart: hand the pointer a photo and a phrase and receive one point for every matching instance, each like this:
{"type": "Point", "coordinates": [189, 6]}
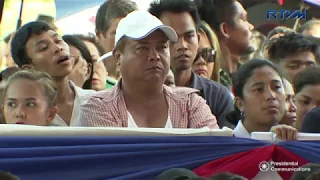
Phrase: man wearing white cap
{"type": "Point", "coordinates": [141, 99]}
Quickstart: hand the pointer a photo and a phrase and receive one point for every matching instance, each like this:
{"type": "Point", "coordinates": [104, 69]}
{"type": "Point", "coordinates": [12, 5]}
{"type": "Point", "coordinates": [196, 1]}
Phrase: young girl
{"type": "Point", "coordinates": [30, 98]}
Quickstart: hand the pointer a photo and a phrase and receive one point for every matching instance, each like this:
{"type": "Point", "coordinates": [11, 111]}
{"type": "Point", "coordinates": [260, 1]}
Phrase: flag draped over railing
{"type": "Point", "coordinates": [143, 157]}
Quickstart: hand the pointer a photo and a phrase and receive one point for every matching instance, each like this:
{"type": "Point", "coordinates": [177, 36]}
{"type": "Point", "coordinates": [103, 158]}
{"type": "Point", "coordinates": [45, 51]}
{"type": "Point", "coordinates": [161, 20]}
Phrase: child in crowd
{"type": "Point", "coordinates": [30, 98]}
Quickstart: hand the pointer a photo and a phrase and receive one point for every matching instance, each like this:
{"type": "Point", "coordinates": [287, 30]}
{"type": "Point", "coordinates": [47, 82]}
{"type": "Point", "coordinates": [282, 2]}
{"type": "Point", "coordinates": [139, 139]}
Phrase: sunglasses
{"type": "Point", "coordinates": [208, 54]}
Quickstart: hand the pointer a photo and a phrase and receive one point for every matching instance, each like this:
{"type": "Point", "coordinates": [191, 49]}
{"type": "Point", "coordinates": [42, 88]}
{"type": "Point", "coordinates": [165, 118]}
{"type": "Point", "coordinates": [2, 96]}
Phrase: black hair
{"type": "Point", "coordinates": [85, 53]}
{"type": "Point", "coordinates": [157, 7]}
{"type": "Point", "coordinates": [314, 169]}
{"type": "Point", "coordinates": [110, 10]}
{"type": "Point", "coordinates": [308, 76]}
{"type": "Point", "coordinates": [240, 78]}
{"type": "Point", "coordinates": [7, 176]}
{"type": "Point", "coordinates": [6, 73]}
{"type": "Point", "coordinates": [309, 25]}
{"type": "Point", "coordinates": [227, 176]}
{"type": "Point", "coordinates": [91, 38]}
{"type": "Point", "coordinates": [290, 44]}
{"type": "Point", "coordinates": [21, 37]}
{"type": "Point", "coordinates": [279, 30]}
{"type": "Point", "coordinates": [245, 71]}
{"type": "Point", "coordinates": [216, 12]}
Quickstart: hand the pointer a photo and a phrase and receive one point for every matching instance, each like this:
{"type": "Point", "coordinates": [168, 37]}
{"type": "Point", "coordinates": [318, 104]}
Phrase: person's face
{"type": "Point", "coordinates": [314, 31]}
{"type": "Point", "coordinates": [295, 63]}
{"type": "Point", "coordinates": [263, 97]}
{"type": "Point", "coordinates": [145, 60]}
{"type": "Point", "coordinates": [239, 34]}
{"type": "Point", "coordinates": [307, 99]}
{"type": "Point", "coordinates": [7, 54]}
{"type": "Point", "coordinates": [184, 51]}
{"type": "Point", "coordinates": [201, 66]}
{"type": "Point", "coordinates": [107, 40]}
{"type": "Point", "coordinates": [99, 77]}
{"type": "Point", "coordinates": [25, 103]}
{"type": "Point", "coordinates": [170, 79]}
{"type": "Point", "coordinates": [290, 117]}
{"type": "Point", "coordinates": [49, 53]}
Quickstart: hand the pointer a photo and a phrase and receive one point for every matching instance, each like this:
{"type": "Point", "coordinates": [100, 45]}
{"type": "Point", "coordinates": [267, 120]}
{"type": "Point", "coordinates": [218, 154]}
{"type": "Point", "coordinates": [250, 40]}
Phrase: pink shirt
{"type": "Point", "coordinates": [108, 109]}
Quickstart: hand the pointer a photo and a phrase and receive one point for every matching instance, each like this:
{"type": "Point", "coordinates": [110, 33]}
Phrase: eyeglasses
{"type": "Point", "coordinates": [208, 54]}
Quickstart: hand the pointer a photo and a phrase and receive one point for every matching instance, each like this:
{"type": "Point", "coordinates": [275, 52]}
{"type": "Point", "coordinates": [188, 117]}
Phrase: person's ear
{"type": "Point", "coordinates": [117, 56]}
{"type": "Point", "coordinates": [239, 104]}
{"type": "Point", "coordinates": [52, 113]}
{"type": "Point", "coordinates": [198, 35]}
{"type": "Point", "coordinates": [224, 30]}
{"type": "Point", "coordinates": [27, 67]}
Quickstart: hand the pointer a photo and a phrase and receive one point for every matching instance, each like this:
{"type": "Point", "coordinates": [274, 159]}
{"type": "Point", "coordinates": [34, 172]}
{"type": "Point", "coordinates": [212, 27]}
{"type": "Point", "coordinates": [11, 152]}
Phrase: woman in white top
{"type": "Point", "coordinates": [260, 97]}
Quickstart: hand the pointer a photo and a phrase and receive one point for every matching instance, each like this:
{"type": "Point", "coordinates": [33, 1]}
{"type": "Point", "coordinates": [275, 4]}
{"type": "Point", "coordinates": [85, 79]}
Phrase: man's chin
{"type": "Point", "coordinates": [249, 50]}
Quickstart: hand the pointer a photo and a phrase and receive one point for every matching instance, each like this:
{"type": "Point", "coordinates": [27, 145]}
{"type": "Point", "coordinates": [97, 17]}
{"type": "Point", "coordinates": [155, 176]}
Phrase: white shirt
{"type": "Point", "coordinates": [80, 94]}
{"type": "Point", "coordinates": [132, 123]}
{"type": "Point", "coordinates": [240, 131]}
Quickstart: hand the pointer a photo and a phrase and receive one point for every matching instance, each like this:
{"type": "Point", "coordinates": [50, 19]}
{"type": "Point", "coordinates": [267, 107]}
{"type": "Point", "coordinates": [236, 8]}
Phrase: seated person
{"type": "Point", "coordinates": [312, 174]}
{"type": "Point", "coordinates": [141, 99]}
{"type": "Point", "coordinates": [176, 174]}
{"type": "Point", "coordinates": [307, 89]}
{"type": "Point", "coordinates": [227, 176]}
{"type": "Point", "coordinates": [170, 79]}
{"type": "Point", "coordinates": [30, 98]}
{"type": "Point", "coordinates": [4, 76]}
{"type": "Point", "coordinates": [311, 122]}
{"type": "Point", "coordinates": [260, 97]}
{"type": "Point", "coordinates": [37, 46]}
{"type": "Point", "coordinates": [290, 117]}
{"type": "Point", "coordinates": [7, 176]}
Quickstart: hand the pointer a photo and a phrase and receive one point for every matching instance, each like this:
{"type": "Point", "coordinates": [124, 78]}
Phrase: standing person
{"type": "Point", "coordinates": [141, 99]}
{"type": "Point", "coordinates": [307, 89]}
{"type": "Point", "coordinates": [182, 16]}
{"type": "Point", "coordinates": [108, 16]}
{"type": "Point", "coordinates": [234, 32]}
{"type": "Point", "coordinates": [293, 53]}
{"type": "Point", "coordinates": [37, 46]}
{"type": "Point", "coordinates": [310, 28]}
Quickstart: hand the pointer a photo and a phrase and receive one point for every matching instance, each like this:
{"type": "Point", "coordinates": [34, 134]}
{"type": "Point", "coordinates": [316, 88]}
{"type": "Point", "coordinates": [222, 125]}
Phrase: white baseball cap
{"type": "Point", "coordinates": [138, 25]}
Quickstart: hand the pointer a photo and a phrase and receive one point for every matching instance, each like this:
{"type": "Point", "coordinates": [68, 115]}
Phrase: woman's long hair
{"type": "Point", "coordinates": [214, 43]}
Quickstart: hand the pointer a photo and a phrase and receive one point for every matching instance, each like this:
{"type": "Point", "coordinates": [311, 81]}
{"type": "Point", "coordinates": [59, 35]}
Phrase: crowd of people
{"type": "Point", "coordinates": [181, 64]}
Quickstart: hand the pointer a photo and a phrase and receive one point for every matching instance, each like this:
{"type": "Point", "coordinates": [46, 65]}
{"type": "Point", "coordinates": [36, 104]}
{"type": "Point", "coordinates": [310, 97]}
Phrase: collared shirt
{"type": "Point", "coordinates": [108, 109]}
{"type": "Point", "coordinates": [240, 131]}
{"type": "Point", "coordinates": [80, 94]}
{"type": "Point", "coordinates": [217, 97]}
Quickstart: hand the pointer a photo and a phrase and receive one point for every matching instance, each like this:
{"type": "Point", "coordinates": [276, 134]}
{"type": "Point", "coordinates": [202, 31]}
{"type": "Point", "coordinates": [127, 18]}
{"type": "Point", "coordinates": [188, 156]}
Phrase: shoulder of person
{"type": "Point", "coordinates": [104, 95]}
{"type": "Point", "coordinates": [216, 88]}
{"type": "Point", "coordinates": [181, 92]}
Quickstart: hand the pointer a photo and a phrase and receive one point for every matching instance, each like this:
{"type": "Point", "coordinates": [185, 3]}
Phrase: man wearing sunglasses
{"type": "Point", "coordinates": [182, 16]}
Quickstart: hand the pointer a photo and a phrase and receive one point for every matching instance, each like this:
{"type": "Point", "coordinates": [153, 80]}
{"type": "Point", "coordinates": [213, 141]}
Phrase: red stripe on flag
{"type": "Point", "coordinates": [247, 163]}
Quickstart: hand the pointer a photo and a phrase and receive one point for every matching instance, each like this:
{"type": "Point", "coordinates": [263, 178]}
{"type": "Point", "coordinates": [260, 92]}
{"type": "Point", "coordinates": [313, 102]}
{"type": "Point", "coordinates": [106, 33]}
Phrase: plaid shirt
{"type": "Point", "coordinates": [226, 79]}
{"type": "Point", "coordinates": [108, 109]}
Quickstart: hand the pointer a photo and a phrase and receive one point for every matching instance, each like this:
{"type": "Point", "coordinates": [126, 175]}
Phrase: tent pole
{"type": "Point", "coordinates": [20, 15]}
